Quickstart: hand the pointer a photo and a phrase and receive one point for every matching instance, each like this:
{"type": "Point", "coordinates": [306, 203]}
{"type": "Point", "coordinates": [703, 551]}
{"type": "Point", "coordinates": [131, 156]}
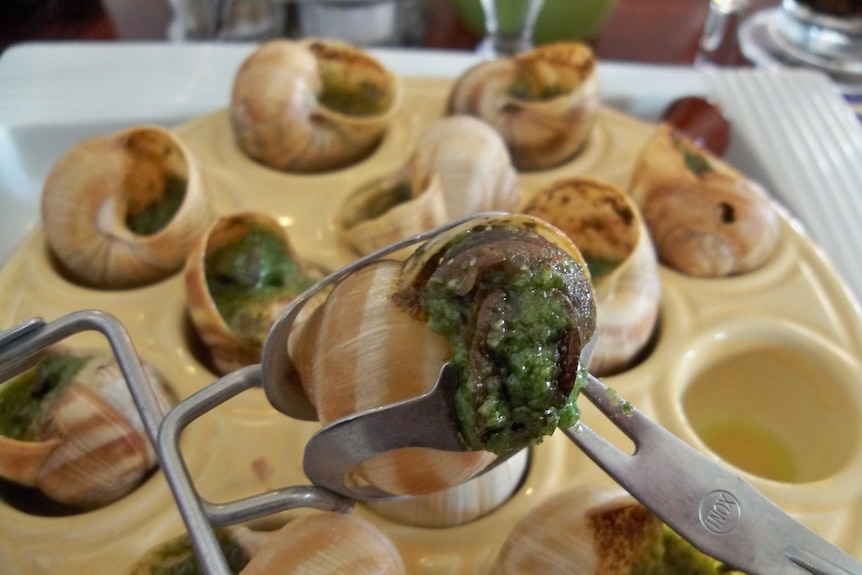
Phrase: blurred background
{"type": "Point", "coordinates": [654, 31]}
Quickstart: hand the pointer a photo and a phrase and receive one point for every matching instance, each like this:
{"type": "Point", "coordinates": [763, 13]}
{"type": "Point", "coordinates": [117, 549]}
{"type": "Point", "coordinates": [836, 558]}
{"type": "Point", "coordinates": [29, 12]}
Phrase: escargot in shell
{"type": "Point", "coordinates": [460, 166]}
{"type": "Point", "coordinates": [607, 227]}
{"type": "Point", "coordinates": [177, 556]}
{"type": "Point", "coordinates": [69, 427]}
{"type": "Point", "coordinates": [706, 219]}
{"type": "Point", "coordinates": [327, 542]}
{"type": "Point", "coordinates": [544, 102]}
{"type": "Point", "coordinates": [311, 105]}
{"type": "Point", "coordinates": [124, 210]}
{"type": "Point", "coordinates": [507, 299]}
{"type": "Point", "coordinates": [238, 278]}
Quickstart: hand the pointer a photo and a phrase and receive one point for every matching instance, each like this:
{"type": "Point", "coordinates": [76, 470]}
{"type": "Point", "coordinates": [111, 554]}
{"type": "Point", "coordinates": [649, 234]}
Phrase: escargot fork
{"type": "Point", "coordinates": [713, 508]}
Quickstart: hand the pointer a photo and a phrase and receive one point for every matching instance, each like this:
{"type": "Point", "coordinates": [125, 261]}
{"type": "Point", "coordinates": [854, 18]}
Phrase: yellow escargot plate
{"type": "Point", "coordinates": [730, 364]}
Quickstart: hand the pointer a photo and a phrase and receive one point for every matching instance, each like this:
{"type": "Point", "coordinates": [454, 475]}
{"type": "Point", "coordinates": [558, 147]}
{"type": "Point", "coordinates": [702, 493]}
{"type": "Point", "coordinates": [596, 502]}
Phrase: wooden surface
{"type": "Point", "coordinates": [656, 31]}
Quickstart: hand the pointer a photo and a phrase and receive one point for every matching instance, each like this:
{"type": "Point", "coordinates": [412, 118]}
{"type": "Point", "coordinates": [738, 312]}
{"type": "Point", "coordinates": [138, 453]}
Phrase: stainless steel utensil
{"type": "Point", "coordinates": [20, 349]}
{"type": "Point", "coordinates": [714, 509]}
{"type": "Point", "coordinates": [711, 507]}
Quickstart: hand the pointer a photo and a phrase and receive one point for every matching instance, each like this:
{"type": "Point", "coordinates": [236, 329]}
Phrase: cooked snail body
{"type": "Point", "coordinates": [706, 219]}
{"type": "Point", "coordinates": [460, 167]}
{"type": "Point", "coordinates": [238, 278]}
{"type": "Point", "coordinates": [311, 105]}
{"type": "Point", "coordinates": [507, 299]}
{"type": "Point", "coordinates": [69, 427]}
{"type": "Point", "coordinates": [544, 102]}
{"type": "Point", "coordinates": [124, 210]}
{"type": "Point", "coordinates": [606, 226]}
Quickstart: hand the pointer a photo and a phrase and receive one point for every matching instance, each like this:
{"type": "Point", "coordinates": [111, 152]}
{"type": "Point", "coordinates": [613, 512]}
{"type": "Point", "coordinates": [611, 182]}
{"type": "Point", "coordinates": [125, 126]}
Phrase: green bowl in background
{"type": "Point", "coordinates": [559, 19]}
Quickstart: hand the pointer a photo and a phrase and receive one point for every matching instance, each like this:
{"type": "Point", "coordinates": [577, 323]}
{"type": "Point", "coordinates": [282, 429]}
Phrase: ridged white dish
{"type": "Point", "coordinates": [777, 351]}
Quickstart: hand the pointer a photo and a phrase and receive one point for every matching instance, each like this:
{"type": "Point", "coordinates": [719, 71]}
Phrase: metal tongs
{"type": "Point", "coordinates": [714, 509]}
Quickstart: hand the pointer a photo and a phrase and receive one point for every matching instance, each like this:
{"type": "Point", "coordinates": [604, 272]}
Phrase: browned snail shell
{"type": "Point", "coordinates": [706, 219]}
{"type": "Point", "coordinates": [543, 102]}
{"type": "Point", "coordinates": [607, 227]}
{"type": "Point", "coordinates": [311, 105]}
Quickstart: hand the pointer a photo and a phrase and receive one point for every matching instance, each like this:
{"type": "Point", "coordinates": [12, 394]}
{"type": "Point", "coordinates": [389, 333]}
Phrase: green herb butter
{"type": "Point", "coordinates": [246, 277]}
{"type": "Point", "coordinates": [365, 99]}
{"type": "Point", "coordinates": [696, 162]}
{"type": "Point", "coordinates": [512, 399]}
{"type": "Point", "coordinates": [600, 266]}
{"type": "Point", "coordinates": [384, 202]}
{"type": "Point", "coordinates": [524, 89]}
{"type": "Point", "coordinates": [682, 558]}
{"type": "Point", "coordinates": [22, 398]}
{"type": "Point", "coordinates": [147, 219]}
{"type": "Point", "coordinates": [177, 557]}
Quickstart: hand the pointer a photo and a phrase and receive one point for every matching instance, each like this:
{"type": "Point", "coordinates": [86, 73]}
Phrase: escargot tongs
{"type": "Point", "coordinates": [713, 508]}
{"type": "Point", "coordinates": [717, 511]}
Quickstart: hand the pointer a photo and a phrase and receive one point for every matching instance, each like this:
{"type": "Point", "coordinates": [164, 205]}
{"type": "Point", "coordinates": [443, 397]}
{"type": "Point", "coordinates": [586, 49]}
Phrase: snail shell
{"type": "Point", "coordinates": [460, 503]}
{"type": "Point", "coordinates": [589, 529]}
{"type": "Point", "coordinates": [370, 344]}
{"type": "Point", "coordinates": [123, 210]}
{"type": "Point", "coordinates": [606, 226]}
{"type": "Point", "coordinates": [238, 278]}
{"type": "Point", "coordinates": [706, 219]}
{"type": "Point", "coordinates": [460, 167]}
{"type": "Point", "coordinates": [327, 542]}
{"type": "Point", "coordinates": [361, 350]}
{"type": "Point", "coordinates": [544, 102]}
{"type": "Point", "coordinates": [88, 446]}
{"type": "Point", "coordinates": [311, 105]}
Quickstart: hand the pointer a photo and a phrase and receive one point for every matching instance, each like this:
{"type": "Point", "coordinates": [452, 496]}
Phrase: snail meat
{"type": "Point", "coordinates": [506, 300]}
